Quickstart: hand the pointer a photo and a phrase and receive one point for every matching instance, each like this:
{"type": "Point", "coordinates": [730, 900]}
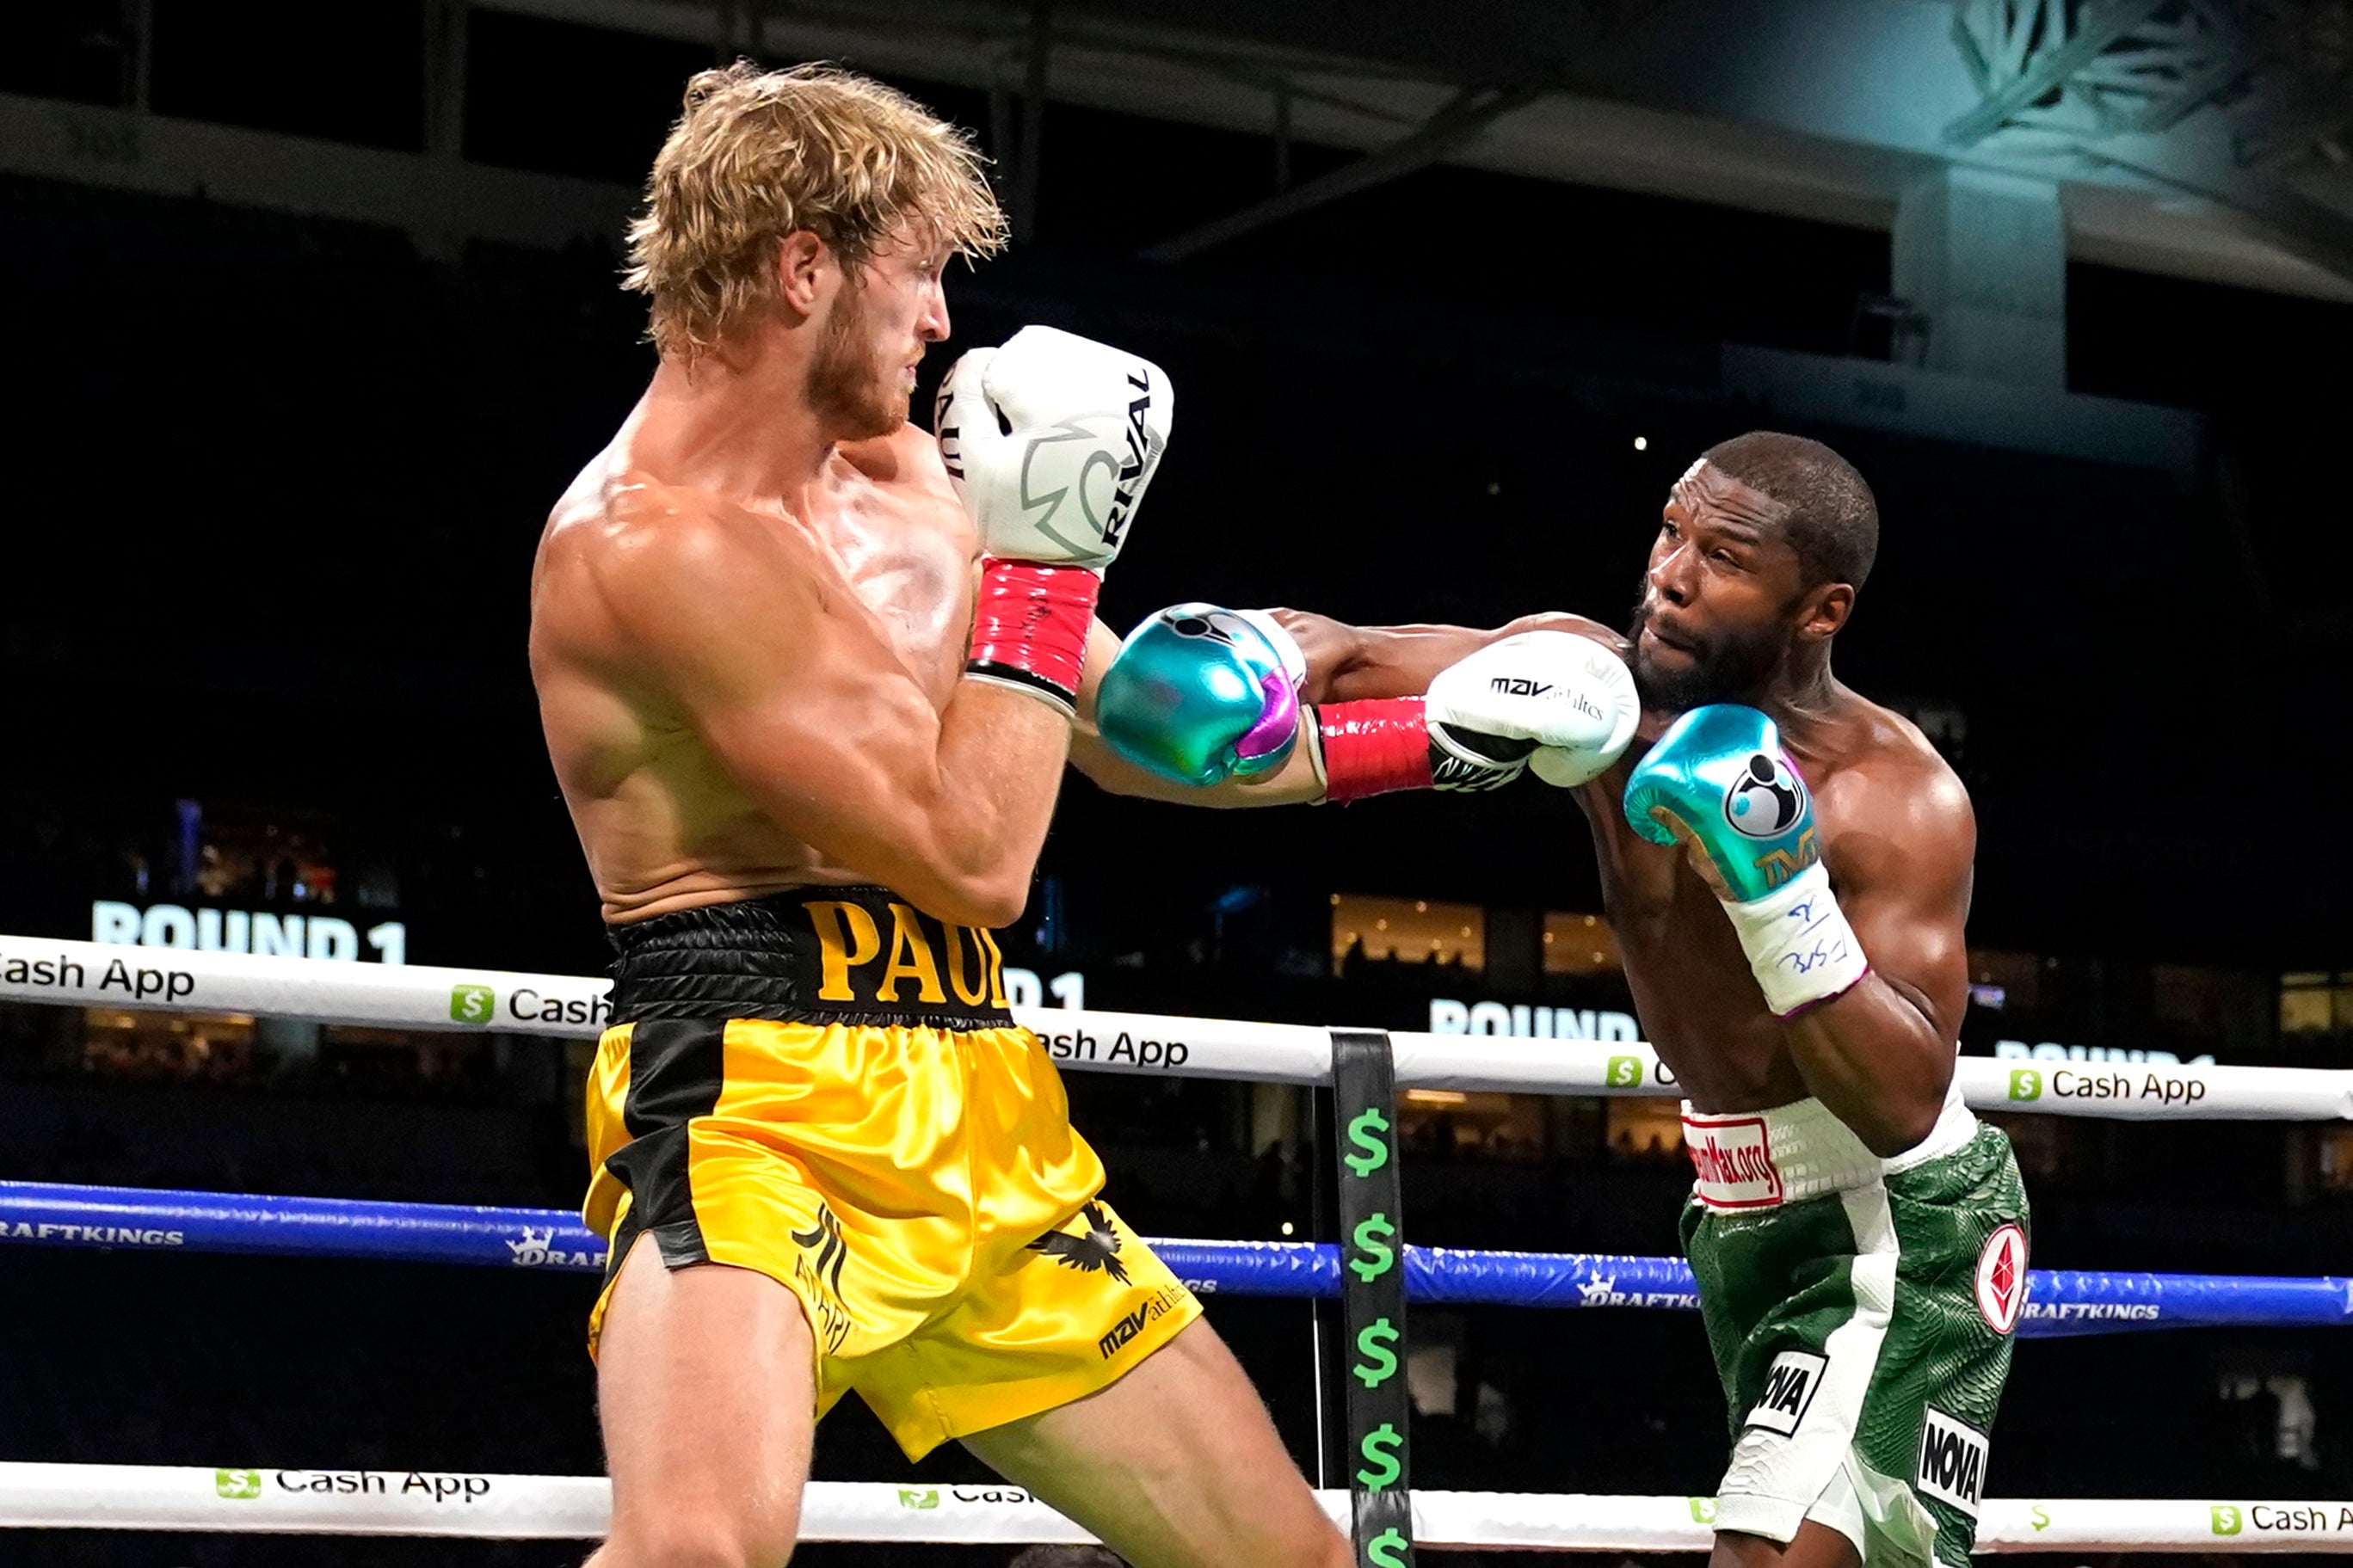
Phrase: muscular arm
{"type": "Point", "coordinates": [1881, 1055]}
{"type": "Point", "coordinates": [1347, 664]}
{"type": "Point", "coordinates": [741, 627]}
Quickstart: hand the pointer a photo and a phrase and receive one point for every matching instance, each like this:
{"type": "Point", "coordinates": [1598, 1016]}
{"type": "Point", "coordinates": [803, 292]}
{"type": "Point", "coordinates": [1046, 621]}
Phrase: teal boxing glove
{"type": "Point", "coordinates": [1198, 695]}
{"type": "Point", "coordinates": [1719, 779]}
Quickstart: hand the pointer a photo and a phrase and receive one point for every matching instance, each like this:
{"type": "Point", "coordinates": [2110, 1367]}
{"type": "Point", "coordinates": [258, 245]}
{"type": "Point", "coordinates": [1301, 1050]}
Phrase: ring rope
{"type": "Point", "coordinates": [93, 975]}
{"type": "Point", "coordinates": [2059, 1301]}
{"type": "Point", "coordinates": [451, 1503]}
{"type": "Point", "coordinates": [130, 1497]}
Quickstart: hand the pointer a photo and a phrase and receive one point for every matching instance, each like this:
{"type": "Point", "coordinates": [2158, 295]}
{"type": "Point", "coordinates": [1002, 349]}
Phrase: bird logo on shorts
{"type": "Point", "coordinates": [1094, 1250]}
{"type": "Point", "coordinates": [1765, 799]}
{"type": "Point", "coordinates": [825, 1238]}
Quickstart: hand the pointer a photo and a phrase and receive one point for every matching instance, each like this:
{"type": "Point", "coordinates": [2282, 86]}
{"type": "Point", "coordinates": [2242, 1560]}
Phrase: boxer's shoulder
{"type": "Point", "coordinates": [1890, 785]}
{"type": "Point", "coordinates": [653, 559]}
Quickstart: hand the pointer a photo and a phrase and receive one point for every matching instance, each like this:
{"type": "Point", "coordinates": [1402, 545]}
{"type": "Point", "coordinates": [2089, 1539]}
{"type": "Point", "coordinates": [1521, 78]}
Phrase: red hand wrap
{"type": "Point", "coordinates": [1373, 747]}
{"type": "Point", "coordinates": [1030, 626]}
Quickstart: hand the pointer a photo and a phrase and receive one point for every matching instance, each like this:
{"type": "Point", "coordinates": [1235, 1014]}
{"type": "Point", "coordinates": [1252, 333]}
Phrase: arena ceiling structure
{"type": "Point", "coordinates": [2203, 138]}
{"type": "Point", "coordinates": [2199, 139]}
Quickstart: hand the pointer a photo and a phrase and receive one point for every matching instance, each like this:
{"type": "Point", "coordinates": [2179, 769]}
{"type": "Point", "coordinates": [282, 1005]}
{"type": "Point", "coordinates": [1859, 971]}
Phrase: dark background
{"type": "Point", "coordinates": [275, 484]}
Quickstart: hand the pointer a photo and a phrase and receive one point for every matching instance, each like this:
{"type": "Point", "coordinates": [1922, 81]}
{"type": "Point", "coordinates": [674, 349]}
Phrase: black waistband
{"type": "Point", "coordinates": [822, 955]}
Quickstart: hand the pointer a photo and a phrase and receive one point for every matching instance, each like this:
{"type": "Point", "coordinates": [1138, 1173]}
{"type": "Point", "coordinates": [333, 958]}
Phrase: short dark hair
{"type": "Point", "coordinates": [1833, 523]}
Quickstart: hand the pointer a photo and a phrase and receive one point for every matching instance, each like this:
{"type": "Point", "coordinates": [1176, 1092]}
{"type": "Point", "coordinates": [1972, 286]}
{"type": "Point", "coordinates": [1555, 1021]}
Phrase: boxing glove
{"type": "Point", "coordinates": [1718, 781]}
{"type": "Point", "coordinates": [1199, 694]}
{"type": "Point", "coordinates": [1556, 695]}
{"type": "Point", "coordinates": [1049, 441]}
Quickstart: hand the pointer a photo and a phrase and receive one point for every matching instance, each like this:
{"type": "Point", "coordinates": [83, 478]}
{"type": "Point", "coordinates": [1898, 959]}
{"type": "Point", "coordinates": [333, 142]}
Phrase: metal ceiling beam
{"type": "Point", "coordinates": [2163, 114]}
{"type": "Point", "coordinates": [1464, 117]}
{"type": "Point", "coordinates": [2095, 29]}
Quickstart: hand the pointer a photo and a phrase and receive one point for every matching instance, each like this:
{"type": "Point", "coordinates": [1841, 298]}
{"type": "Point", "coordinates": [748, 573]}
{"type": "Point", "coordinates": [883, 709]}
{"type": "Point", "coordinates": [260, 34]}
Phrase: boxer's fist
{"type": "Point", "coordinates": [1050, 441]}
{"type": "Point", "coordinates": [1198, 695]}
{"type": "Point", "coordinates": [1719, 781]}
{"type": "Point", "coordinates": [1565, 698]}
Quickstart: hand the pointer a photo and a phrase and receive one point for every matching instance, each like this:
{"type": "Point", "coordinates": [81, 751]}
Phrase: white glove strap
{"type": "Point", "coordinates": [1799, 944]}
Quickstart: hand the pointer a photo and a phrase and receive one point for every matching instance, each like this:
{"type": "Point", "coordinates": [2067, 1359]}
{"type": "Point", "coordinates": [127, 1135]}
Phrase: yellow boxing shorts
{"type": "Point", "coordinates": [826, 1086]}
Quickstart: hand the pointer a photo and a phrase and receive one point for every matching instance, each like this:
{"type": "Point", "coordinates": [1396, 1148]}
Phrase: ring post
{"type": "Point", "coordinates": [1372, 1225]}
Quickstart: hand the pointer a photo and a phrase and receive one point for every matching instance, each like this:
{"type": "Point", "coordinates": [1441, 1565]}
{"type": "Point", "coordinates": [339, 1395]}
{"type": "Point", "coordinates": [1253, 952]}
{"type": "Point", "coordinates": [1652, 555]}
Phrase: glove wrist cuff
{"type": "Point", "coordinates": [1030, 628]}
{"type": "Point", "coordinates": [1799, 945]}
{"type": "Point", "coordinates": [1373, 747]}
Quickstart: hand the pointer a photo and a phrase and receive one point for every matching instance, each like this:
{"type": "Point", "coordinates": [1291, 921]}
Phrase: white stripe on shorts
{"type": "Point", "coordinates": [1775, 1483]}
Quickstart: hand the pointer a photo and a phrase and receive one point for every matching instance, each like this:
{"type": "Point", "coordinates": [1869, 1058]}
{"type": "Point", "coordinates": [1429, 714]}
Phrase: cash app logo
{"type": "Point", "coordinates": [2025, 1083]}
{"type": "Point", "coordinates": [472, 1004]}
{"type": "Point", "coordinates": [919, 1496]}
{"type": "Point", "coordinates": [238, 1483]}
{"type": "Point", "coordinates": [1623, 1072]}
{"type": "Point", "coordinates": [2228, 1519]}
{"type": "Point", "coordinates": [1702, 1509]}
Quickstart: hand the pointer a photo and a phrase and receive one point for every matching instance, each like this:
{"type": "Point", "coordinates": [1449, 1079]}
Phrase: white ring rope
{"type": "Point", "coordinates": [91, 974]}
{"type": "Point", "coordinates": [129, 1497]}
{"type": "Point", "coordinates": [445, 1503]}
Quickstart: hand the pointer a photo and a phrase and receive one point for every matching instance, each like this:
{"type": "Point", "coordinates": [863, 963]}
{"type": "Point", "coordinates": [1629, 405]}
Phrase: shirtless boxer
{"type": "Point", "coordinates": [809, 718]}
{"type": "Point", "coordinates": [1787, 868]}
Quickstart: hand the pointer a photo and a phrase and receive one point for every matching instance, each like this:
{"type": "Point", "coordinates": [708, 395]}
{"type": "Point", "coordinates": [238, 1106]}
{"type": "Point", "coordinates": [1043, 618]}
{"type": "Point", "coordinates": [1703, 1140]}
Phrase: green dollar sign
{"type": "Point", "coordinates": [1387, 1549]}
{"type": "Point", "coordinates": [1379, 1448]}
{"type": "Point", "coordinates": [1378, 1257]}
{"type": "Point", "coordinates": [1364, 1132]}
{"type": "Point", "coordinates": [1380, 1366]}
{"type": "Point", "coordinates": [2041, 1517]}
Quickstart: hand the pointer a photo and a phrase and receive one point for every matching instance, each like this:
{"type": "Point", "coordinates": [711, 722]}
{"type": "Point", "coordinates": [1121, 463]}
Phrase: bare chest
{"type": "Point", "coordinates": [909, 556]}
{"type": "Point", "coordinates": [1698, 1003]}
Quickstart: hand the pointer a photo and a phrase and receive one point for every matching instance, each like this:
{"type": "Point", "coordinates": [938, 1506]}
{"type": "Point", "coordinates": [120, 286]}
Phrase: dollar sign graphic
{"type": "Point", "coordinates": [1379, 1448]}
{"type": "Point", "coordinates": [2041, 1517]}
{"type": "Point", "coordinates": [1378, 1257]}
{"type": "Point", "coordinates": [1380, 1365]}
{"type": "Point", "coordinates": [1365, 1133]}
{"type": "Point", "coordinates": [1387, 1549]}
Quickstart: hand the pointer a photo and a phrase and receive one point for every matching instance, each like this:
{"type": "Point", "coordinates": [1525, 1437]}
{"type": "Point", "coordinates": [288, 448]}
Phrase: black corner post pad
{"type": "Point", "coordinates": [1372, 1289]}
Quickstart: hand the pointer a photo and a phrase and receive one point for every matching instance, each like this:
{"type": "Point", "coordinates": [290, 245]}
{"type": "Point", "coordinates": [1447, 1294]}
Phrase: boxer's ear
{"type": "Point", "coordinates": [1824, 610]}
{"type": "Point", "coordinates": [803, 264]}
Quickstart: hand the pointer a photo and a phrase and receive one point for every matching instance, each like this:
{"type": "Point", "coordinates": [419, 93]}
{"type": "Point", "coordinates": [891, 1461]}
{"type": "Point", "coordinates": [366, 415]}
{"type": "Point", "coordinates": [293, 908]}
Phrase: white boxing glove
{"type": "Point", "coordinates": [1050, 441]}
{"type": "Point", "coordinates": [1565, 700]}
{"type": "Point", "coordinates": [1554, 702]}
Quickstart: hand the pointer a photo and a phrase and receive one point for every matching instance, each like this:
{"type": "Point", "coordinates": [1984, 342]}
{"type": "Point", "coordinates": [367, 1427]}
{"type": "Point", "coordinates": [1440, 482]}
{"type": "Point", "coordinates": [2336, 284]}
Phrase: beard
{"type": "Point", "coordinates": [854, 398]}
{"type": "Point", "coordinates": [1725, 668]}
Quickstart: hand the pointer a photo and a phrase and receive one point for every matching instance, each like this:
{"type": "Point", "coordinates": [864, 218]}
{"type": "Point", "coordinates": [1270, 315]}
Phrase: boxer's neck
{"type": "Point", "coordinates": [739, 423]}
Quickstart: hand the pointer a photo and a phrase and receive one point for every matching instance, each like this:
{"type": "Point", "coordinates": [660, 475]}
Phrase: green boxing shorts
{"type": "Point", "coordinates": [1860, 1311]}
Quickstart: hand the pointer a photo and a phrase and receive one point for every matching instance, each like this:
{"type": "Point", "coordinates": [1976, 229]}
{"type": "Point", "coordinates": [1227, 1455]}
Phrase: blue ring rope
{"type": "Point", "coordinates": [2059, 1301]}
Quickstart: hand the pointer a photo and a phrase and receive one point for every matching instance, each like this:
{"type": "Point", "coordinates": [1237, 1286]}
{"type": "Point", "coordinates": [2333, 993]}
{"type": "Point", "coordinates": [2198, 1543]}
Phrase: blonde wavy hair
{"type": "Point", "coordinates": [757, 155]}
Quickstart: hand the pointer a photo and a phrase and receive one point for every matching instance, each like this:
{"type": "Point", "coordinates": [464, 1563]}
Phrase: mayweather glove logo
{"type": "Point", "coordinates": [1765, 799]}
